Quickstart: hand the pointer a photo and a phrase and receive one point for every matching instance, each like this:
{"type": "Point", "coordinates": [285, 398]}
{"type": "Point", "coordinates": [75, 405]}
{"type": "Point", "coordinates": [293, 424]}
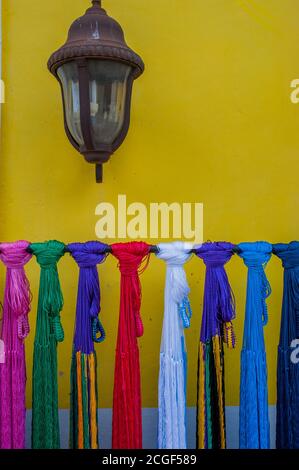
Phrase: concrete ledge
{"type": "Point", "coordinates": [150, 417]}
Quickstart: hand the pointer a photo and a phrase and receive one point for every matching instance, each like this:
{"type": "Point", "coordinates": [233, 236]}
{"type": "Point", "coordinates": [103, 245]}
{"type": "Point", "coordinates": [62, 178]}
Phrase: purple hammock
{"type": "Point", "coordinates": [216, 328]}
{"type": "Point", "coordinates": [84, 393]}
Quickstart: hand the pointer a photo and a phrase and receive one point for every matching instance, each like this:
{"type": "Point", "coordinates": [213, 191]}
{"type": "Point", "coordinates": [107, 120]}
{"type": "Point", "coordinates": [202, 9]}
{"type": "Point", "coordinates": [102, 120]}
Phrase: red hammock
{"type": "Point", "coordinates": [127, 421]}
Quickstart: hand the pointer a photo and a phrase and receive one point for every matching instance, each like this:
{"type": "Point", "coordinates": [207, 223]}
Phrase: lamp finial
{"type": "Point", "coordinates": [97, 2]}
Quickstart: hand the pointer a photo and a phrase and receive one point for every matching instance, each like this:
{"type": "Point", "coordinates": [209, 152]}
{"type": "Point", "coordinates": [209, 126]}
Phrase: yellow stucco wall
{"type": "Point", "coordinates": [212, 122]}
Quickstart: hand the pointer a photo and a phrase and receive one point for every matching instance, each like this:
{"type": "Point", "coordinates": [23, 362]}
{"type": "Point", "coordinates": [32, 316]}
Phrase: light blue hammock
{"type": "Point", "coordinates": [173, 355]}
{"type": "Point", "coordinates": [254, 430]}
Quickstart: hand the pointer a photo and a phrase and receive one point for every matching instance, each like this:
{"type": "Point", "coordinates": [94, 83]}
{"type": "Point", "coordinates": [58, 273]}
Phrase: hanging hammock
{"type": "Point", "coordinates": [287, 420]}
{"type": "Point", "coordinates": [127, 423]}
{"type": "Point", "coordinates": [254, 419]}
{"type": "Point", "coordinates": [216, 327]}
{"type": "Point", "coordinates": [84, 393]}
{"type": "Point", "coordinates": [173, 355]}
{"type": "Point", "coordinates": [45, 423]}
{"type": "Point", "coordinates": [15, 329]}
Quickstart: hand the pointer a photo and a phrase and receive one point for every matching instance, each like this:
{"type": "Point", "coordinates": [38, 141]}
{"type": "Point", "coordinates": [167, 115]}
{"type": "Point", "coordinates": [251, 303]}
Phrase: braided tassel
{"type": "Point", "coordinates": [185, 312]}
{"type": "Point", "coordinates": [229, 335]}
{"type": "Point", "coordinates": [97, 327]}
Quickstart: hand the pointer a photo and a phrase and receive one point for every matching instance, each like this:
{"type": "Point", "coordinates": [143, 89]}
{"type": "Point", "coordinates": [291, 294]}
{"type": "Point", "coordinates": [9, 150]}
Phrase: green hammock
{"type": "Point", "coordinates": [45, 422]}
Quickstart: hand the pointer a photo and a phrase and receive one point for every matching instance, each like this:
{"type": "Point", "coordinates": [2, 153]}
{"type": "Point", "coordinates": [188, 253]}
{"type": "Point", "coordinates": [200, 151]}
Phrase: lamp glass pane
{"type": "Point", "coordinates": [108, 82]}
{"type": "Point", "coordinates": [68, 74]}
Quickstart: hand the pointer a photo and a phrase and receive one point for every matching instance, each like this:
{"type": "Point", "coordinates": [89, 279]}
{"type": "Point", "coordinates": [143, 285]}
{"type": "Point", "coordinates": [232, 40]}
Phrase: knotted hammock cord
{"type": "Point", "coordinates": [287, 421]}
{"type": "Point", "coordinates": [15, 329]}
{"type": "Point", "coordinates": [45, 423]}
{"type": "Point", "coordinates": [127, 423]}
{"type": "Point", "coordinates": [84, 390]}
{"type": "Point", "coordinates": [216, 328]}
{"type": "Point", "coordinates": [254, 420]}
{"type": "Point", "coordinates": [173, 355]}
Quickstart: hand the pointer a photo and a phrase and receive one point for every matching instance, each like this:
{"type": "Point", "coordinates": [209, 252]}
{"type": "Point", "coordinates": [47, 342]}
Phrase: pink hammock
{"type": "Point", "coordinates": [15, 328]}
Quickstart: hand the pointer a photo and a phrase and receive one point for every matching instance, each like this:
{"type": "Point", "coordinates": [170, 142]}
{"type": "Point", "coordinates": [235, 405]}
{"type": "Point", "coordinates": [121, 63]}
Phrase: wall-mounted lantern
{"type": "Point", "coordinates": [96, 70]}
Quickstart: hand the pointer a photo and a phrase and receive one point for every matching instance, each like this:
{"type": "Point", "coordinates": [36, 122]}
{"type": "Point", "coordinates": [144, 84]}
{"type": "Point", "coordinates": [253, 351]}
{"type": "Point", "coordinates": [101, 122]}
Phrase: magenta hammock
{"type": "Point", "coordinates": [15, 329]}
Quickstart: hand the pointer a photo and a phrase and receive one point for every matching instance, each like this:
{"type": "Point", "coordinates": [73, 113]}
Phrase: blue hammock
{"type": "Point", "coordinates": [254, 420]}
{"type": "Point", "coordinates": [287, 424]}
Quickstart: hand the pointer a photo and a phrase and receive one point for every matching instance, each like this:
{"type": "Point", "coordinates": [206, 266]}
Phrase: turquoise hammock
{"type": "Point", "coordinates": [254, 420]}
